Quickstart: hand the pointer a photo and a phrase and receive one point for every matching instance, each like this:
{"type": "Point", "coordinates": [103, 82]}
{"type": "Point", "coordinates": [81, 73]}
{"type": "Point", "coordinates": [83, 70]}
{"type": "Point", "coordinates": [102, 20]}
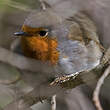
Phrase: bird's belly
{"type": "Point", "coordinates": [76, 57]}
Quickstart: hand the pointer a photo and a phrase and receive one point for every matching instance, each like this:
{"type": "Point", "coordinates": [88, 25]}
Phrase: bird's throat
{"type": "Point", "coordinates": [43, 49]}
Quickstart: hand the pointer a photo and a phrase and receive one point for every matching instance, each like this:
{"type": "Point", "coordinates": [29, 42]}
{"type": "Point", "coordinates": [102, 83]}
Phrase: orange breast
{"type": "Point", "coordinates": [43, 49]}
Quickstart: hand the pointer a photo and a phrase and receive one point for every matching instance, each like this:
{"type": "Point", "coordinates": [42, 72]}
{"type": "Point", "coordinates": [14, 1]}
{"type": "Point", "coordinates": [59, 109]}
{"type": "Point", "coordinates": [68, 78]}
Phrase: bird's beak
{"type": "Point", "coordinates": [21, 34]}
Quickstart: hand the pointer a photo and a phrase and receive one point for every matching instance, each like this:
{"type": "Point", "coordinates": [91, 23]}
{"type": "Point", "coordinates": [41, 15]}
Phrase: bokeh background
{"type": "Point", "coordinates": [12, 15]}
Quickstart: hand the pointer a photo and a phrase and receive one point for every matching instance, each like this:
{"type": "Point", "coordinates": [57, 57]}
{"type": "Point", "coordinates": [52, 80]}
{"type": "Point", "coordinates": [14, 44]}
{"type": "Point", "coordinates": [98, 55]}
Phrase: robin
{"type": "Point", "coordinates": [70, 44]}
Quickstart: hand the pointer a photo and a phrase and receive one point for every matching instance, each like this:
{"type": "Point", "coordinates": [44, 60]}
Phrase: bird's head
{"type": "Point", "coordinates": [36, 38]}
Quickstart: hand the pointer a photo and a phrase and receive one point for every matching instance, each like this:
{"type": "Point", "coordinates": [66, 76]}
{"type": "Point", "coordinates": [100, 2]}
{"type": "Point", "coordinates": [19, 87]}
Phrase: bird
{"type": "Point", "coordinates": [69, 44]}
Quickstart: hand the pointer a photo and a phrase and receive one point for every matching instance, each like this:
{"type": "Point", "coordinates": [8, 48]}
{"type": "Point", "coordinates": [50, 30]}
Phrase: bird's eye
{"type": "Point", "coordinates": [43, 33]}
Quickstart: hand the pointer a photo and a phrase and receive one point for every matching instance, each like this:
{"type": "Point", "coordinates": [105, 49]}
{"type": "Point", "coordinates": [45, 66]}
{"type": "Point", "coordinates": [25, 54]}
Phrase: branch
{"type": "Point", "coordinates": [14, 106]}
{"type": "Point", "coordinates": [24, 63]}
{"type": "Point", "coordinates": [40, 92]}
{"type": "Point", "coordinates": [53, 102]}
{"type": "Point", "coordinates": [98, 87]}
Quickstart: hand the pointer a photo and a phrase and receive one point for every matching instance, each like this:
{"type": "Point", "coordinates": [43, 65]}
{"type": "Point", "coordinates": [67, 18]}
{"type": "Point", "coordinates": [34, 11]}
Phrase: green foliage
{"type": "Point", "coordinates": [19, 4]}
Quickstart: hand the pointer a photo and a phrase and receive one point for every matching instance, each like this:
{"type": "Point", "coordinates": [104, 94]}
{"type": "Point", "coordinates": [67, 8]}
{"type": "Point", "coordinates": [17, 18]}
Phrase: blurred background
{"type": "Point", "coordinates": [12, 15]}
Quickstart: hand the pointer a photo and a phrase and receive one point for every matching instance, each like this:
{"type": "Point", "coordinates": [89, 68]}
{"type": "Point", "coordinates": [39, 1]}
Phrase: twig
{"type": "Point", "coordinates": [33, 97]}
{"type": "Point", "coordinates": [53, 102]}
{"type": "Point", "coordinates": [98, 87]}
{"type": "Point", "coordinates": [42, 4]}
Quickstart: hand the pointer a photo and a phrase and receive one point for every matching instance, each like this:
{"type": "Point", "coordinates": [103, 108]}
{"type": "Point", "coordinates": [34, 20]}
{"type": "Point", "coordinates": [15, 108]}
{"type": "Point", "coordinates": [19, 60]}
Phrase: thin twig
{"type": "Point", "coordinates": [42, 5]}
{"type": "Point", "coordinates": [53, 102]}
{"type": "Point", "coordinates": [98, 87]}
